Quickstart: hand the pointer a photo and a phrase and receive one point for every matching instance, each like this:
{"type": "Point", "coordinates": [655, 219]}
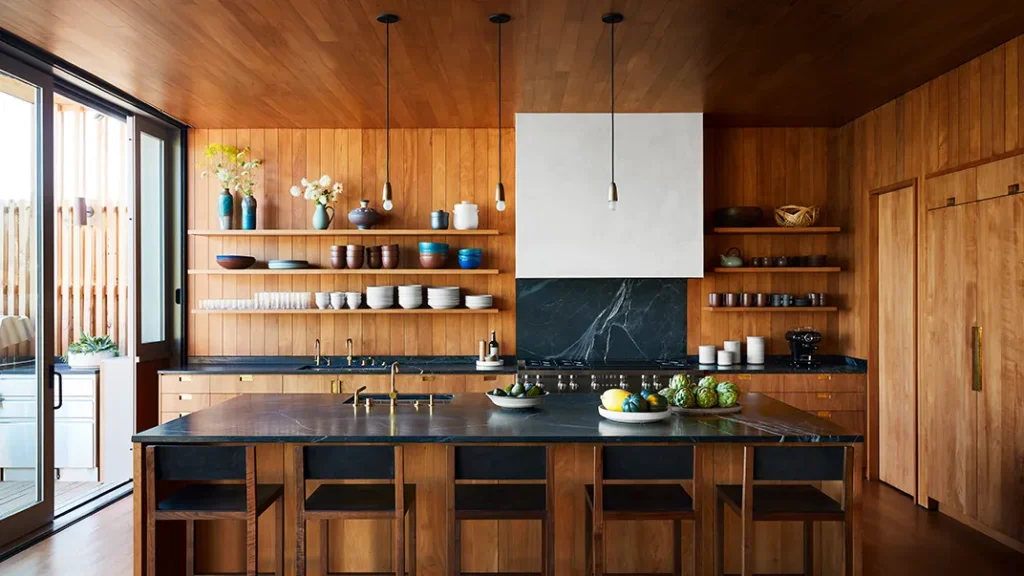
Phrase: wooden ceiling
{"type": "Point", "coordinates": [320, 63]}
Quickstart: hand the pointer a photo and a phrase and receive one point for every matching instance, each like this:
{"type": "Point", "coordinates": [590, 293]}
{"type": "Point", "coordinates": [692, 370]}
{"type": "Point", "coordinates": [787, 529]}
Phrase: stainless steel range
{"type": "Point", "coordinates": [566, 376]}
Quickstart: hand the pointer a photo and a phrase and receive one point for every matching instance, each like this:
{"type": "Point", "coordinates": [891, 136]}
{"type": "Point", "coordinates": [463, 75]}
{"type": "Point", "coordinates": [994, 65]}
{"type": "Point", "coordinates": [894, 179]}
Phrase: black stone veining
{"type": "Point", "coordinates": [601, 319]}
{"type": "Point", "coordinates": [339, 365]}
{"type": "Point", "coordinates": [309, 418]}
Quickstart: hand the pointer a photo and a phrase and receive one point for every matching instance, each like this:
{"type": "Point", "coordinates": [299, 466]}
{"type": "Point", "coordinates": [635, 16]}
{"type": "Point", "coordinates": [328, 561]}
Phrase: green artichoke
{"type": "Point", "coordinates": [707, 382]}
{"type": "Point", "coordinates": [724, 386]}
{"type": "Point", "coordinates": [685, 398]}
{"type": "Point", "coordinates": [707, 397]}
{"type": "Point", "coordinates": [727, 398]}
{"type": "Point", "coordinates": [679, 381]}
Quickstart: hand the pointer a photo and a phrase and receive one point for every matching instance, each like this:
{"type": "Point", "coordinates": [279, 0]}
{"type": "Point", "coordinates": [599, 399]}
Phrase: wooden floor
{"type": "Point", "coordinates": [899, 538]}
{"type": "Point", "coordinates": [67, 495]}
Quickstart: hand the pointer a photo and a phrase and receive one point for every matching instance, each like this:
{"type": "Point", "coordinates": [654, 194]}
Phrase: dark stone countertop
{"type": "Point", "coordinates": [307, 418]}
{"type": "Point", "coordinates": [381, 365]}
{"type": "Point", "coordinates": [780, 365]}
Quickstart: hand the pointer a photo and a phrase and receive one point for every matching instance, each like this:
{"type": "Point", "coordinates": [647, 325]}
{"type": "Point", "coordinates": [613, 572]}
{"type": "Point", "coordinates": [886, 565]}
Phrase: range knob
{"type": "Point", "coordinates": [622, 382]}
{"type": "Point", "coordinates": [561, 385]}
{"type": "Point", "coordinates": [593, 382]}
{"type": "Point", "coordinates": [573, 385]}
{"type": "Point", "coordinates": [536, 380]}
{"type": "Point", "coordinates": [644, 384]}
{"type": "Point", "coordinates": [657, 382]}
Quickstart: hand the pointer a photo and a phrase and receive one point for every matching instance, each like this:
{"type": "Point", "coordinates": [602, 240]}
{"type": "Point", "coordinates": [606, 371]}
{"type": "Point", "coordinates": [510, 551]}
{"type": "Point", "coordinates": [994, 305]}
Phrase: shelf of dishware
{"type": "Point", "coordinates": [343, 312]}
{"type": "Point", "coordinates": [347, 271]}
{"type": "Point", "coordinates": [342, 232]}
{"type": "Point", "coordinates": [771, 309]}
{"type": "Point", "coordinates": [777, 269]}
{"type": "Point", "coordinates": [778, 230]}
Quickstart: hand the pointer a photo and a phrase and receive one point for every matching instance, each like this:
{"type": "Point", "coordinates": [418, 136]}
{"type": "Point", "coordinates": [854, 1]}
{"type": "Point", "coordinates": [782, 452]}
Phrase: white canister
{"type": "Point", "coordinates": [465, 216]}
{"type": "Point", "coordinates": [706, 354]}
{"type": "Point", "coordinates": [755, 349]}
{"type": "Point", "coordinates": [734, 346]}
{"type": "Point", "coordinates": [724, 358]}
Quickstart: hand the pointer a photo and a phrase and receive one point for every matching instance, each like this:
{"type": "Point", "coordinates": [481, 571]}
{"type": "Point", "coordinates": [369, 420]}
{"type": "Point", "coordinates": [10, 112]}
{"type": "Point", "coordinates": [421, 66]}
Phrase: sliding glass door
{"type": "Point", "coordinates": [29, 388]}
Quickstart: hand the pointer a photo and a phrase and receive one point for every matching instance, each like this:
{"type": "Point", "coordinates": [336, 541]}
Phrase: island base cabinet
{"type": "Point", "coordinates": [513, 546]}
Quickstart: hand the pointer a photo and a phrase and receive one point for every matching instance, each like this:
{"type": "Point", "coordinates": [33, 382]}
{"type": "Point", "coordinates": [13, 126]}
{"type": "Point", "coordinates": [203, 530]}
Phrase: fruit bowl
{"type": "Point", "coordinates": [513, 403]}
{"type": "Point", "coordinates": [634, 417]}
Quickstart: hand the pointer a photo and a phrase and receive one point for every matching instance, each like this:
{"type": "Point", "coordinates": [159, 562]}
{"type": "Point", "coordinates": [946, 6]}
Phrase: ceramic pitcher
{"type": "Point", "coordinates": [321, 219]}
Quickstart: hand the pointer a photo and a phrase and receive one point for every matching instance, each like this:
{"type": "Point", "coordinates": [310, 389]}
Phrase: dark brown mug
{"type": "Point", "coordinates": [747, 300]}
{"type": "Point", "coordinates": [732, 299]}
{"type": "Point", "coordinates": [763, 299]}
{"type": "Point", "coordinates": [714, 299]}
{"type": "Point", "coordinates": [817, 260]}
{"type": "Point", "coordinates": [781, 261]}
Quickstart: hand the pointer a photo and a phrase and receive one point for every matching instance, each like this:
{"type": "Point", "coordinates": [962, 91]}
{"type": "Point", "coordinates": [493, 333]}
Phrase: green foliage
{"type": "Point", "coordinates": [91, 344]}
{"type": "Point", "coordinates": [233, 167]}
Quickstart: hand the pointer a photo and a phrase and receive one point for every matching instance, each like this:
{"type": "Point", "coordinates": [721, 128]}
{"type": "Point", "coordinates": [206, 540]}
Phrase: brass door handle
{"type": "Point", "coordinates": [977, 370]}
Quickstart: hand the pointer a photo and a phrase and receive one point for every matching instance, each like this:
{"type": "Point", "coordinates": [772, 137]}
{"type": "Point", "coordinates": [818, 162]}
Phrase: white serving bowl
{"type": "Point", "coordinates": [634, 417]}
{"type": "Point", "coordinates": [516, 403]}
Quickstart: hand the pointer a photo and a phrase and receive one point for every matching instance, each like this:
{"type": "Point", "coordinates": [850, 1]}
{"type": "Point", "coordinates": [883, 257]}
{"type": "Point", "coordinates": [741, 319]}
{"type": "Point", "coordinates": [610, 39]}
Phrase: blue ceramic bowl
{"type": "Point", "coordinates": [469, 263]}
{"type": "Point", "coordinates": [433, 248]}
{"type": "Point", "coordinates": [475, 252]}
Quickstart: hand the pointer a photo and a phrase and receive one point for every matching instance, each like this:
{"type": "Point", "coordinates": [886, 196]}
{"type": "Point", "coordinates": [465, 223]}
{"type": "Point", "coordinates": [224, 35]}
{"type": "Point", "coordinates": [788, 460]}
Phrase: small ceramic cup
{"type": "Point", "coordinates": [763, 299]}
{"type": "Point", "coordinates": [353, 299]}
{"type": "Point", "coordinates": [714, 299]}
{"type": "Point", "coordinates": [323, 299]}
{"type": "Point", "coordinates": [724, 358]}
{"type": "Point", "coordinates": [732, 299]}
{"type": "Point", "coordinates": [706, 354]}
{"type": "Point", "coordinates": [337, 300]}
{"type": "Point", "coordinates": [747, 300]}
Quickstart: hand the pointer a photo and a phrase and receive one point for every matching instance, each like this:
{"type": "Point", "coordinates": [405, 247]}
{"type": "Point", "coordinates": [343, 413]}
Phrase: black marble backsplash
{"type": "Point", "coordinates": [601, 319]}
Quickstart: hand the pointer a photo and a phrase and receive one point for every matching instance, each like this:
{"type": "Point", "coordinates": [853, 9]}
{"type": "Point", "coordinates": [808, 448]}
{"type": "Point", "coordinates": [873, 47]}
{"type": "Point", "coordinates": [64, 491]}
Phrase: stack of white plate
{"type": "Point", "coordinates": [479, 302]}
{"type": "Point", "coordinates": [443, 297]}
{"type": "Point", "coordinates": [380, 297]}
{"type": "Point", "coordinates": [410, 296]}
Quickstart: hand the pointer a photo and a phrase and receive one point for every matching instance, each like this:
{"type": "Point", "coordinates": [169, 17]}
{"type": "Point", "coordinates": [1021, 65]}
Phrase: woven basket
{"type": "Point", "coordinates": [796, 216]}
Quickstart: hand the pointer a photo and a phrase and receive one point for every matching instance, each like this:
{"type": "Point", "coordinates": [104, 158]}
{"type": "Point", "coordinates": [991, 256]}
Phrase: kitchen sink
{"type": "Point", "coordinates": [403, 398]}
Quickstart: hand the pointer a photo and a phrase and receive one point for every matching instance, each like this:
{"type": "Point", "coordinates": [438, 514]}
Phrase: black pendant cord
{"type": "Point", "coordinates": [387, 101]}
{"type": "Point", "coordinates": [612, 60]}
{"type": "Point", "coordinates": [499, 103]}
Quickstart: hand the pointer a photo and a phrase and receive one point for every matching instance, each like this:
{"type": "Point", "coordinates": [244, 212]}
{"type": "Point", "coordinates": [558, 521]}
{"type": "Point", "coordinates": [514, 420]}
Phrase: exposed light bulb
{"type": "Point", "coordinates": [501, 206]}
{"type": "Point", "coordinates": [499, 196]}
{"type": "Point", "coordinates": [611, 205]}
{"type": "Point", "coordinates": [613, 196]}
{"type": "Point", "coordinates": [388, 205]}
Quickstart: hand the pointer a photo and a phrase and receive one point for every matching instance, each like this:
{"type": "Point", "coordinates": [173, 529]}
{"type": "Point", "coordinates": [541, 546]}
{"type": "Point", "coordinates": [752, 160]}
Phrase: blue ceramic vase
{"type": "Point", "coordinates": [321, 220]}
{"type": "Point", "coordinates": [248, 212]}
{"type": "Point", "coordinates": [225, 209]}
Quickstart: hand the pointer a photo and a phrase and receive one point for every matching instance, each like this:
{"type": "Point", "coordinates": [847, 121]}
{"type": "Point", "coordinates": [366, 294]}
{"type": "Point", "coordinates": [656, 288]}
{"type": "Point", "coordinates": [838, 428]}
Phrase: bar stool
{"type": "Point", "coordinates": [642, 483]}
{"type": "Point", "coordinates": [235, 496]}
{"type": "Point", "coordinates": [382, 494]}
{"type": "Point", "coordinates": [787, 502]}
{"type": "Point", "coordinates": [526, 493]}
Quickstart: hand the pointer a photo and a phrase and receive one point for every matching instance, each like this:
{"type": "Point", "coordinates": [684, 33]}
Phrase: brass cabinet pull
{"type": "Point", "coordinates": [824, 376]}
{"type": "Point", "coordinates": [335, 386]}
{"type": "Point", "coordinates": [824, 395]}
{"type": "Point", "coordinates": [184, 378]}
{"type": "Point", "coordinates": [245, 378]}
{"type": "Point", "coordinates": [743, 377]}
{"type": "Point", "coordinates": [184, 396]}
{"type": "Point", "coordinates": [428, 378]}
{"type": "Point", "coordinates": [490, 378]}
{"type": "Point", "coordinates": [977, 371]}
{"type": "Point", "coordinates": [823, 414]}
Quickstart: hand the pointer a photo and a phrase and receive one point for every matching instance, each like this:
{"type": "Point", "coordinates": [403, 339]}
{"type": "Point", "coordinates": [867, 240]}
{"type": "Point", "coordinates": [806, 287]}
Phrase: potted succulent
{"type": "Point", "coordinates": [89, 351]}
{"type": "Point", "coordinates": [236, 171]}
{"type": "Point", "coordinates": [320, 192]}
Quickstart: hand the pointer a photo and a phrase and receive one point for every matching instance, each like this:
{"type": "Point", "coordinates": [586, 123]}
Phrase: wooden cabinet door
{"type": "Point", "coordinates": [897, 339]}
{"type": "Point", "coordinates": [956, 188]}
{"type": "Point", "coordinates": [995, 178]}
{"type": "Point", "coordinates": [309, 384]}
{"type": "Point", "coordinates": [948, 441]}
{"type": "Point", "coordinates": [485, 383]}
{"type": "Point", "coordinates": [1001, 399]}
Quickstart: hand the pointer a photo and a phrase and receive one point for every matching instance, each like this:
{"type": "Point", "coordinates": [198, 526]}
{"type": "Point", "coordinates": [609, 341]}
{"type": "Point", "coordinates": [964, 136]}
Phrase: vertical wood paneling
{"type": "Point", "coordinates": [430, 170]}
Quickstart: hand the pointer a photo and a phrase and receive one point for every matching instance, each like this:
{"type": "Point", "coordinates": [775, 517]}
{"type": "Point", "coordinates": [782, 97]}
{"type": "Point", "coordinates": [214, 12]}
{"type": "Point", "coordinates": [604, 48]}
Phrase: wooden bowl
{"type": "Point", "coordinates": [235, 262]}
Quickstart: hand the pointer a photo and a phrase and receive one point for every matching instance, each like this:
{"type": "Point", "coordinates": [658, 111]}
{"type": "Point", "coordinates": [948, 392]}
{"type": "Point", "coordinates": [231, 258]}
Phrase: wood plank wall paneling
{"type": "Point", "coordinates": [767, 167]}
{"type": "Point", "coordinates": [430, 169]}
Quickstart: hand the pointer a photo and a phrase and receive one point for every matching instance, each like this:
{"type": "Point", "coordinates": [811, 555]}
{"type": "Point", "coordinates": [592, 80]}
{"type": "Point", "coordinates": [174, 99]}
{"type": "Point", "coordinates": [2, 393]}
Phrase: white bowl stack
{"type": "Point", "coordinates": [443, 297]}
{"type": "Point", "coordinates": [380, 297]}
{"type": "Point", "coordinates": [479, 301]}
{"type": "Point", "coordinates": [410, 296]}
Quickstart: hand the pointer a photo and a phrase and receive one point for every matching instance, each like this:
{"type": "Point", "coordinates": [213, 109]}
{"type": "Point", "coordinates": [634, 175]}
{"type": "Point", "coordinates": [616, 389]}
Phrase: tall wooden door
{"type": "Point", "coordinates": [1001, 399]}
{"type": "Point", "coordinates": [897, 338]}
{"type": "Point", "coordinates": [948, 405]}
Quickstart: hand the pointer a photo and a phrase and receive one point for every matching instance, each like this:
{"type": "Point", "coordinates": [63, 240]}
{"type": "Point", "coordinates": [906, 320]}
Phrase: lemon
{"type": "Point", "coordinates": [612, 399]}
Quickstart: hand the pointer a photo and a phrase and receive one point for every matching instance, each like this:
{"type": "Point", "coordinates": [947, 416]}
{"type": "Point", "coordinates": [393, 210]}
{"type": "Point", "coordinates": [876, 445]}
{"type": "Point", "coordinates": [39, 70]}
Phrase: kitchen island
{"type": "Point", "coordinates": [569, 424]}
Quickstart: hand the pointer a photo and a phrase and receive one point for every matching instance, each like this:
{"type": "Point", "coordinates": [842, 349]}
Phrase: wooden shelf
{"type": "Point", "coordinates": [779, 230]}
{"type": "Point", "coordinates": [342, 232]}
{"type": "Point", "coordinates": [345, 272]}
{"type": "Point", "coordinates": [356, 311]}
{"type": "Point", "coordinates": [778, 270]}
{"type": "Point", "coordinates": [771, 309]}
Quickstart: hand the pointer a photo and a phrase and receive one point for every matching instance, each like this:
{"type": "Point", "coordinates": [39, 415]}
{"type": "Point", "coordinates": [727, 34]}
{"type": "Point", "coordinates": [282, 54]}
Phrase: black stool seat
{"type": "Point", "coordinates": [501, 500]}
{"type": "Point", "coordinates": [782, 500]}
{"type": "Point", "coordinates": [357, 498]}
{"type": "Point", "coordinates": [660, 498]}
{"type": "Point", "coordinates": [218, 498]}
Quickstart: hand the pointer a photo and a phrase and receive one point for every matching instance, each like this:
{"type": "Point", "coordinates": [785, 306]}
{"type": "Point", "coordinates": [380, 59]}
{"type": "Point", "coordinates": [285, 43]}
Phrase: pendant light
{"type": "Point", "coordinates": [612, 18]}
{"type": "Point", "coordinates": [499, 189]}
{"type": "Point", "coordinates": [387, 20]}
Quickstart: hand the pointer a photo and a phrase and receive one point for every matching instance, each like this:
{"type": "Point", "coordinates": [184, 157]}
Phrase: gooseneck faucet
{"type": "Point", "coordinates": [316, 346]}
{"type": "Point", "coordinates": [394, 393]}
{"type": "Point", "coordinates": [348, 345]}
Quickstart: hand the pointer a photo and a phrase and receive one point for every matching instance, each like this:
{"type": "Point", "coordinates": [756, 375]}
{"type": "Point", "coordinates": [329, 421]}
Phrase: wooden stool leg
{"type": "Point", "coordinates": [677, 547]}
{"type": "Point", "coordinates": [457, 549]}
{"type": "Point", "coordinates": [698, 564]}
{"type": "Point", "coordinates": [279, 537]}
{"type": "Point", "coordinates": [325, 535]}
{"type": "Point", "coordinates": [808, 548]}
{"type": "Point", "coordinates": [719, 535]}
{"type": "Point", "coordinates": [588, 554]}
{"type": "Point", "coordinates": [848, 554]}
{"type": "Point", "coordinates": [251, 544]}
{"type": "Point", "coordinates": [412, 539]}
{"type": "Point", "coordinates": [544, 550]}
{"type": "Point", "coordinates": [399, 543]}
{"type": "Point", "coordinates": [190, 547]}
{"type": "Point", "coordinates": [597, 550]}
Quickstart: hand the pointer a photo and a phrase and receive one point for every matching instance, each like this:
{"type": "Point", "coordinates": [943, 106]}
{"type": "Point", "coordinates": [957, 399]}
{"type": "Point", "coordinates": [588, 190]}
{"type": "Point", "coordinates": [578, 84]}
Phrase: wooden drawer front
{"type": "Point", "coordinates": [850, 419]}
{"type": "Point", "coordinates": [184, 402]}
{"type": "Point", "coordinates": [246, 384]}
{"type": "Point", "coordinates": [487, 382]}
{"type": "Point", "coordinates": [318, 384]}
{"type": "Point", "coordinates": [764, 383]}
{"type": "Point", "coordinates": [177, 383]}
{"type": "Point", "coordinates": [825, 382]}
{"type": "Point", "coordinates": [431, 383]}
{"type": "Point", "coordinates": [835, 401]}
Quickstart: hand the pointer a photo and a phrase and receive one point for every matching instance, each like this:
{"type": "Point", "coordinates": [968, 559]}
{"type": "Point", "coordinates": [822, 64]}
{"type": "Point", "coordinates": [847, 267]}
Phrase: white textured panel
{"type": "Point", "coordinates": [563, 226]}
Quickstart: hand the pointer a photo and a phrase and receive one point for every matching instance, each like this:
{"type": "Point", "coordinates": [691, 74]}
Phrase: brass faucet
{"type": "Point", "coordinates": [316, 346]}
{"type": "Point", "coordinates": [348, 345]}
{"type": "Point", "coordinates": [394, 393]}
{"type": "Point", "coordinates": [355, 399]}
